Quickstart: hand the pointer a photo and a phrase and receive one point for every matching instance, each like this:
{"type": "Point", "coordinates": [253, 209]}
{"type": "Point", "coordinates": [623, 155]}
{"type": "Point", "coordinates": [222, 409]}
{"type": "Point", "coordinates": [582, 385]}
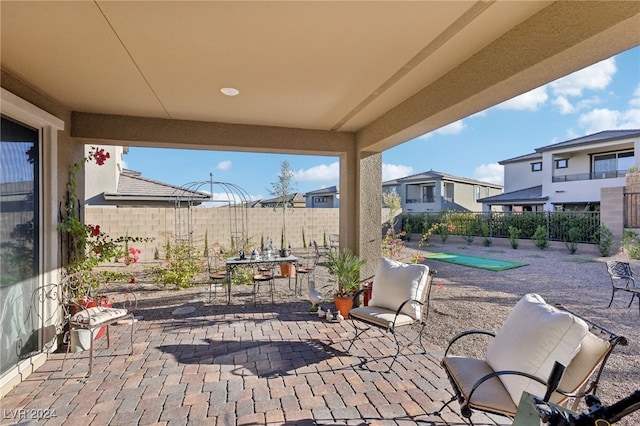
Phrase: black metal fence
{"type": "Point", "coordinates": [586, 224]}
{"type": "Point", "coordinates": [632, 209]}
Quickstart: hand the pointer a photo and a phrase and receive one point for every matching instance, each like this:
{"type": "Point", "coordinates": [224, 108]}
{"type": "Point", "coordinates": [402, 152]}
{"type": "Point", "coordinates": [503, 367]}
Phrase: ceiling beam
{"type": "Point", "coordinates": [159, 132]}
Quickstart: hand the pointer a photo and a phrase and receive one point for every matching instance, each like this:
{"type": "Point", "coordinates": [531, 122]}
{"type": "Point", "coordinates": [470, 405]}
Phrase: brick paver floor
{"type": "Point", "coordinates": [239, 364]}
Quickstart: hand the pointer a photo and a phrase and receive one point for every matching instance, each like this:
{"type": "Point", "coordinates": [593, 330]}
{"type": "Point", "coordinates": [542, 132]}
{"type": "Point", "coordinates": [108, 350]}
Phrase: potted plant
{"type": "Point", "coordinates": [345, 266]}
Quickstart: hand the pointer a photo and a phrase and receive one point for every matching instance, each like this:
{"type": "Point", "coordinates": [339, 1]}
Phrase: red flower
{"type": "Point", "coordinates": [95, 230]}
{"type": "Point", "coordinates": [132, 280]}
{"type": "Point", "coordinates": [97, 249]}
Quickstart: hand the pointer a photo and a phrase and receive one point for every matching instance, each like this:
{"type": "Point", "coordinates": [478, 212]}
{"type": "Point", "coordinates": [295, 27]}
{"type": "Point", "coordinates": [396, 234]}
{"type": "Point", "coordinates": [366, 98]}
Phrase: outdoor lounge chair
{"type": "Point", "coordinates": [622, 280]}
{"type": "Point", "coordinates": [521, 356]}
{"type": "Point", "coordinates": [399, 298]}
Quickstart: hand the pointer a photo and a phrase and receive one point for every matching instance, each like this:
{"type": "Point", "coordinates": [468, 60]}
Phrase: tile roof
{"type": "Point", "coordinates": [432, 174]}
{"type": "Point", "coordinates": [526, 195]}
{"type": "Point", "coordinates": [604, 136]}
{"type": "Point", "coordinates": [133, 186]}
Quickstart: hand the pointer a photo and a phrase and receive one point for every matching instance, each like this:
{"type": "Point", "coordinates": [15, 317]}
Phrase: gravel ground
{"type": "Point", "coordinates": [470, 298]}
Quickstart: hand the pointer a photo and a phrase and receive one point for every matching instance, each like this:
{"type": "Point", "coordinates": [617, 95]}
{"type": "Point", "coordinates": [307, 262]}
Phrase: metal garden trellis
{"type": "Point", "coordinates": [233, 196]}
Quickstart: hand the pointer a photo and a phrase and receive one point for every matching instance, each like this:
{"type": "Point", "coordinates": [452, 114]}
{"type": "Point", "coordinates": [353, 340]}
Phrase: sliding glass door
{"type": "Point", "coordinates": [19, 244]}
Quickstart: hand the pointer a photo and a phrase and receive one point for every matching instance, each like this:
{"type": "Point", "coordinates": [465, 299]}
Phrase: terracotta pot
{"type": "Point", "coordinates": [343, 304]}
{"type": "Point", "coordinates": [287, 269]}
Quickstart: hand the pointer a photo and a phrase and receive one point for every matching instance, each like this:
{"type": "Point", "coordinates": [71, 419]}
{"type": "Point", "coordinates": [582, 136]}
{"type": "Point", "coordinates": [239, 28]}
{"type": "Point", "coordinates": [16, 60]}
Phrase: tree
{"type": "Point", "coordinates": [282, 189]}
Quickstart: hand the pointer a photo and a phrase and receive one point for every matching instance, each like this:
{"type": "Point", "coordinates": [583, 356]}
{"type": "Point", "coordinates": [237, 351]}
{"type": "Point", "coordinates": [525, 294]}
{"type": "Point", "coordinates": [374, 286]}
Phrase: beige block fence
{"type": "Point", "coordinates": [220, 224]}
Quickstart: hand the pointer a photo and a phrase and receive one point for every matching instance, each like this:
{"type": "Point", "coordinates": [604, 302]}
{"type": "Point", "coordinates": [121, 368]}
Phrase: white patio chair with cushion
{"type": "Point", "coordinates": [521, 355]}
{"type": "Point", "coordinates": [399, 298]}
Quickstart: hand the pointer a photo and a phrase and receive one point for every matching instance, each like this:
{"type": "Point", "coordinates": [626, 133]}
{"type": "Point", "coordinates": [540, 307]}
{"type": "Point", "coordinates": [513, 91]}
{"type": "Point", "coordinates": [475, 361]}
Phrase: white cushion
{"type": "Point", "coordinates": [532, 338]}
{"type": "Point", "coordinates": [98, 315]}
{"type": "Point", "coordinates": [592, 351]}
{"type": "Point", "coordinates": [396, 282]}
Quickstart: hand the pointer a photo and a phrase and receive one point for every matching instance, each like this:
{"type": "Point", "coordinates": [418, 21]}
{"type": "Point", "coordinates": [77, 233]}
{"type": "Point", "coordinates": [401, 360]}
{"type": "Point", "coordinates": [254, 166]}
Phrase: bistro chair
{"type": "Point", "coordinates": [622, 280]}
{"type": "Point", "coordinates": [217, 276]}
{"type": "Point", "coordinates": [264, 275]}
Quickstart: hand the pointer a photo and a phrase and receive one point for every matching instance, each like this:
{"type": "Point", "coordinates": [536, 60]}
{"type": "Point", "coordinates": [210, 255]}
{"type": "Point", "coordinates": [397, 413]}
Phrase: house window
{"type": "Point", "coordinates": [448, 192]}
{"type": "Point", "coordinates": [613, 162]}
{"type": "Point", "coordinates": [320, 200]}
{"type": "Point", "coordinates": [536, 167]}
{"type": "Point", "coordinates": [428, 194]}
{"type": "Point", "coordinates": [478, 196]}
{"type": "Point", "coordinates": [562, 164]}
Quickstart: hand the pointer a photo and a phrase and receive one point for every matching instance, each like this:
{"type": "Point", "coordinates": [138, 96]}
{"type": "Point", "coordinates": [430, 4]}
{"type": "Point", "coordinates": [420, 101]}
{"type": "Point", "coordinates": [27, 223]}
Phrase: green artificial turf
{"type": "Point", "coordinates": [475, 262]}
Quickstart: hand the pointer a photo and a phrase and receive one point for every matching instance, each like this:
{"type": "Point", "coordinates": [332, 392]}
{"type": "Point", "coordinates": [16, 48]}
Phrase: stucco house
{"type": "Point", "coordinates": [295, 200]}
{"type": "Point", "coordinates": [323, 198]}
{"type": "Point", "coordinates": [433, 192]}
{"type": "Point", "coordinates": [568, 175]}
{"type": "Point", "coordinates": [112, 184]}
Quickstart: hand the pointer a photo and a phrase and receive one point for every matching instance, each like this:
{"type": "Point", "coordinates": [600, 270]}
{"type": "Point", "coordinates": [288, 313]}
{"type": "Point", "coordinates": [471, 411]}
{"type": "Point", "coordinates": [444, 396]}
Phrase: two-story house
{"type": "Point", "coordinates": [323, 198]}
{"type": "Point", "coordinates": [433, 192]}
{"type": "Point", "coordinates": [567, 175]}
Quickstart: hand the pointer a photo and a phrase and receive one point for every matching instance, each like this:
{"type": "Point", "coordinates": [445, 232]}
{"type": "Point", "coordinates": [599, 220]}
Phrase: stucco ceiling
{"type": "Point", "coordinates": [386, 71]}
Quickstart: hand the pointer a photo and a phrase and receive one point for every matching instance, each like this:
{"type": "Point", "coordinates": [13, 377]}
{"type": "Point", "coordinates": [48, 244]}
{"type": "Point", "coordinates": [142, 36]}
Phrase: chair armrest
{"type": "Point", "coordinates": [502, 373]}
{"type": "Point", "coordinates": [467, 333]}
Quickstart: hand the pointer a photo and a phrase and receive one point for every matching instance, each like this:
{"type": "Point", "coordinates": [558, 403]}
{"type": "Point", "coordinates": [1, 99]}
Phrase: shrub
{"type": "Point", "coordinates": [631, 244]}
{"type": "Point", "coordinates": [541, 238]}
{"type": "Point", "coordinates": [573, 236]}
{"type": "Point", "coordinates": [183, 265]}
{"type": "Point", "coordinates": [605, 241]}
{"type": "Point", "coordinates": [514, 233]}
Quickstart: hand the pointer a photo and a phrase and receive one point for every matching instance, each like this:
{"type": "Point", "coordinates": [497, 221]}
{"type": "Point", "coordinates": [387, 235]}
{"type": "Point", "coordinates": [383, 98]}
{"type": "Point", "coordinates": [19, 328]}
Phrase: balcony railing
{"type": "Point", "coordinates": [590, 176]}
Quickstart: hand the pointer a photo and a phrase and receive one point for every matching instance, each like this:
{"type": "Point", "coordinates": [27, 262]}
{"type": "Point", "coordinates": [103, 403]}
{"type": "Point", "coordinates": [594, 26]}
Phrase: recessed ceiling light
{"type": "Point", "coordinates": [230, 91]}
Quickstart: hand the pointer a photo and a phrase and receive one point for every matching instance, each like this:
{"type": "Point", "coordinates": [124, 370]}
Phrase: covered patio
{"type": "Point", "coordinates": [345, 79]}
{"type": "Point", "coordinates": [275, 364]}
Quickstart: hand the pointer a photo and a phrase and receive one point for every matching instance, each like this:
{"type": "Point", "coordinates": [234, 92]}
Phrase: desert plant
{"type": "Point", "coordinates": [573, 236]}
{"type": "Point", "coordinates": [514, 234]}
{"type": "Point", "coordinates": [345, 266]}
{"type": "Point", "coordinates": [282, 189]}
{"type": "Point", "coordinates": [605, 241]}
{"type": "Point", "coordinates": [183, 265]}
{"type": "Point", "coordinates": [631, 244]}
{"type": "Point", "coordinates": [541, 238]}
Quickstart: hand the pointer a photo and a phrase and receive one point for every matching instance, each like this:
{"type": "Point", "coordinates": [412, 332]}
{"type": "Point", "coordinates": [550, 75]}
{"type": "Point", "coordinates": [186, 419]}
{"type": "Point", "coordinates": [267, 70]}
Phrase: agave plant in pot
{"type": "Point", "coordinates": [345, 266]}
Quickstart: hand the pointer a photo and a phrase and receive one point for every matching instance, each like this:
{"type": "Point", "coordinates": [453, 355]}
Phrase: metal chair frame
{"type": "Point", "coordinates": [393, 329]}
{"type": "Point", "coordinates": [621, 272]}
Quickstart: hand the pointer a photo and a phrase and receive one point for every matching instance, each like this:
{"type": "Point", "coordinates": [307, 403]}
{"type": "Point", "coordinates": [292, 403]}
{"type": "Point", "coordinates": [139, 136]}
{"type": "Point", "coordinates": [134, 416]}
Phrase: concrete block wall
{"type": "Point", "coordinates": [611, 210]}
{"type": "Point", "coordinates": [220, 224]}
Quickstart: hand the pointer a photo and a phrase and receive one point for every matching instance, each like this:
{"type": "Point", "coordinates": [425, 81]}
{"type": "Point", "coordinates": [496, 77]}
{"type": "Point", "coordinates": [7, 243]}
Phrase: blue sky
{"type": "Point", "coordinates": [604, 96]}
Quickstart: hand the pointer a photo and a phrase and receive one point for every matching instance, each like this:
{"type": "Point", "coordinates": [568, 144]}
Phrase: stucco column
{"type": "Point", "coordinates": [360, 207]}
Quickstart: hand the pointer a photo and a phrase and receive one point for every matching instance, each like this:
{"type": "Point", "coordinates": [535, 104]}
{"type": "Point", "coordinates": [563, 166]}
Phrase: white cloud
{"type": "Point", "coordinates": [493, 173]}
{"type": "Point", "coordinates": [224, 165]}
{"type": "Point", "coordinates": [563, 104]}
{"type": "Point", "coordinates": [635, 100]}
{"type": "Point", "coordinates": [598, 120]}
{"type": "Point", "coordinates": [395, 171]}
{"type": "Point", "coordinates": [531, 100]}
{"type": "Point", "coordinates": [594, 77]}
{"type": "Point", "coordinates": [452, 129]}
{"type": "Point", "coordinates": [321, 173]}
